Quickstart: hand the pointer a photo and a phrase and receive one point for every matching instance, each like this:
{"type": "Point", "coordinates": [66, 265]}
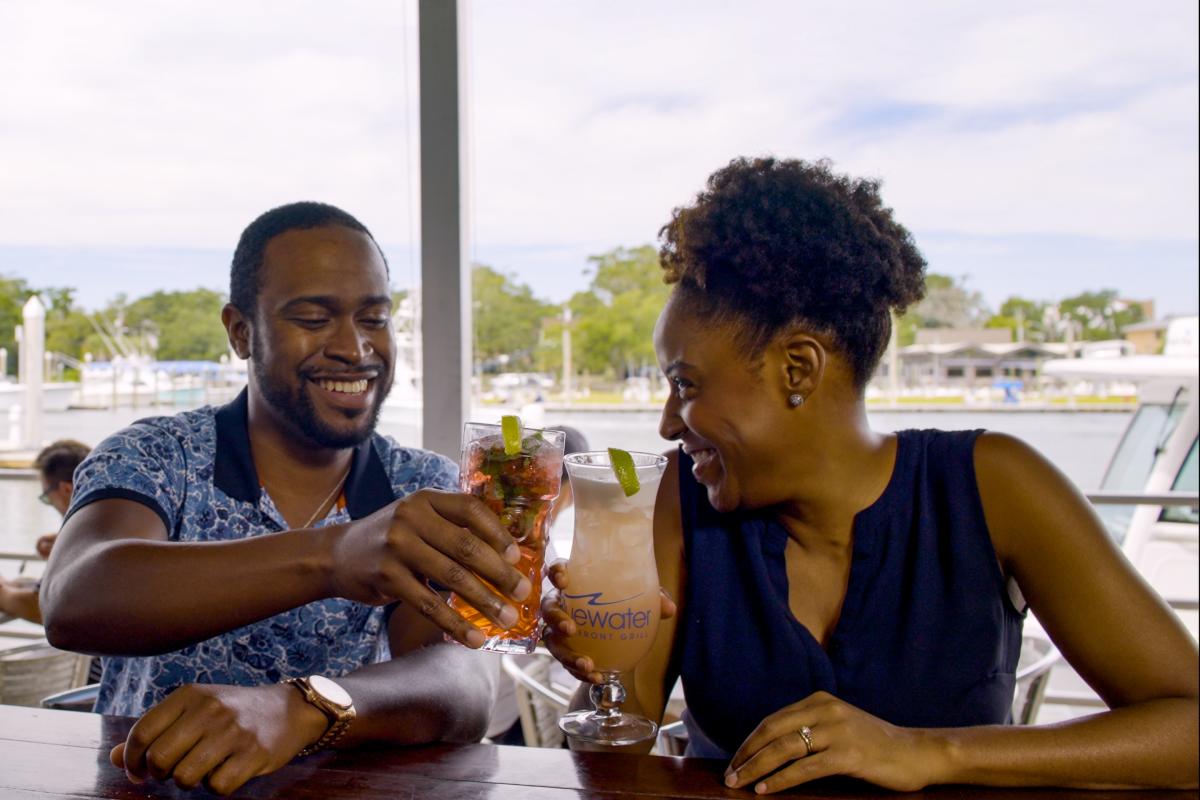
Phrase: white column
{"type": "Point", "coordinates": [445, 275]}
{"type": "Point", "coordinates": [33, 344]}
{"type": "Point", "coordinates": [19, 335]}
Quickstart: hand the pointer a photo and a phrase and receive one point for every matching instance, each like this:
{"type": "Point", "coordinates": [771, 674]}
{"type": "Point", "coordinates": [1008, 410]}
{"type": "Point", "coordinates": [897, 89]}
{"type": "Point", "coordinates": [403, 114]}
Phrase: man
{"type": "Point", "coordinates": [55, 466]}
{"type": "Point", "coordinates": [263, 541]}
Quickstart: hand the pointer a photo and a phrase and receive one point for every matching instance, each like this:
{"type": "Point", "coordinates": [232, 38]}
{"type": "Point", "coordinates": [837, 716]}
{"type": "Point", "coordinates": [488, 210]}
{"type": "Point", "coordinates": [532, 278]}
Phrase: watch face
{"type": "Point", "coordinates": [329, 690]}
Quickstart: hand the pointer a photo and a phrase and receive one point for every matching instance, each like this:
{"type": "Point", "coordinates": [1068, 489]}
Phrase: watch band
{"type": "Point", "coordinates": [340, 715]}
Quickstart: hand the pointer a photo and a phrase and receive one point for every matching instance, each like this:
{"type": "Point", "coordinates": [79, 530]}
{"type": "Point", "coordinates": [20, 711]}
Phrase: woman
{"type": "Point", "coordinates": [850, 601]}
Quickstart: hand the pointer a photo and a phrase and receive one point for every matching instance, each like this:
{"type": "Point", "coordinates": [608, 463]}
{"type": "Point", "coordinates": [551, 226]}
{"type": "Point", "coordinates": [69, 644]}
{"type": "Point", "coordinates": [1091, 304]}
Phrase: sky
{"type": "Point", "coordinates": [1033, 149]}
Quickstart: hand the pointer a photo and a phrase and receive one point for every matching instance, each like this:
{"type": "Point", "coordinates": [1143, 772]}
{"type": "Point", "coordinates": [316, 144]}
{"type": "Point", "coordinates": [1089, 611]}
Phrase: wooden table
{"type": "Point", "coordinates": [49, 754]}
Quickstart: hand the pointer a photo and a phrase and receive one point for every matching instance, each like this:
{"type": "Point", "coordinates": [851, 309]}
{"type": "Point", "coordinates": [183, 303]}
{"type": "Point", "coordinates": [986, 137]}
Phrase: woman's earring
{"type": "Point", "coordinates": [796, 400]}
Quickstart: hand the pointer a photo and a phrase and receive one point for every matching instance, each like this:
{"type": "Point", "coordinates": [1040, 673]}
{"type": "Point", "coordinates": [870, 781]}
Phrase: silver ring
{"type": "Point", "coordinates": [806, 734]}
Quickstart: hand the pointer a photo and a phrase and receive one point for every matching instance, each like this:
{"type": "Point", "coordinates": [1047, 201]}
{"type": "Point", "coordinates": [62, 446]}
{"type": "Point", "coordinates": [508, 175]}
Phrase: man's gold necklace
{"type": "Point", "coordinates": [337, 488]}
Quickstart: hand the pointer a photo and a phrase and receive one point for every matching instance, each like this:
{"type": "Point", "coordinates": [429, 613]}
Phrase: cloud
{"type": "Point", "coordinates": [139, 124]}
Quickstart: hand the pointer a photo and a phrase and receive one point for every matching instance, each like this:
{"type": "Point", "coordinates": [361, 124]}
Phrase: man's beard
{"type": "Point", "coordinates": [297, 406]}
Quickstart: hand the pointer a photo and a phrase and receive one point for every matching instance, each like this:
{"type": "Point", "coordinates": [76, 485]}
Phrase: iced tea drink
{"type": "Point", "coordinates": [519, 487]}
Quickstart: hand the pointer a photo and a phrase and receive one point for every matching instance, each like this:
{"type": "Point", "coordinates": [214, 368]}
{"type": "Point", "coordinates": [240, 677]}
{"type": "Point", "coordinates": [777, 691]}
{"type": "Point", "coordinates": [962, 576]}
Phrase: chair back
{"type": "Point", "coordinates": [1038, 657]}
{"type": "Point", "coordinates": [31, 672]}
{"type": "Point", "coordinates": [539, 702]}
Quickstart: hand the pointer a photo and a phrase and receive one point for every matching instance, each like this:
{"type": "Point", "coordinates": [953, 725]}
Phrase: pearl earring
{"type": "Point", "coordinates": [796, 400]}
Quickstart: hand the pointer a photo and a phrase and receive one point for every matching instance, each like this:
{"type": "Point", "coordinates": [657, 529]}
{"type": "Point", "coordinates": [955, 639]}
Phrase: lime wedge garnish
{"type": "Point", "coordinates": [510, 430]}
{"type": "Point", "coordinates": [622, 467]}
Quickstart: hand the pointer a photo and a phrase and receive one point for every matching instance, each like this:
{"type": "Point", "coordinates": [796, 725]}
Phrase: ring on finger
{"type": "Point", "coordinates": [806, 734]}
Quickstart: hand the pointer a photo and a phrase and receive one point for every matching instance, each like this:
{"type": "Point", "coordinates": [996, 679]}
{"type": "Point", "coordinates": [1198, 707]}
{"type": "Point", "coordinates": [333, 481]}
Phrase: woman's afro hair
{"type": "Point", "coordinates": [774, 243]}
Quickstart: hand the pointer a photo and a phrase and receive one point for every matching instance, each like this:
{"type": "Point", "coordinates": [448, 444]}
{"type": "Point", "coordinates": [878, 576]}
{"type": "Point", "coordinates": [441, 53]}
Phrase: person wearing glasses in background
{"type": "Point", "coordinates": [55, 465]}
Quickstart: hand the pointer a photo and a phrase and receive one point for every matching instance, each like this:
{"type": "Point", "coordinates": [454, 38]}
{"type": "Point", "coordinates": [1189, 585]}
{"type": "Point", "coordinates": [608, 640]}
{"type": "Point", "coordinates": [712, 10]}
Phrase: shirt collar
{"type": "Point", "coordinates": [367, 489]}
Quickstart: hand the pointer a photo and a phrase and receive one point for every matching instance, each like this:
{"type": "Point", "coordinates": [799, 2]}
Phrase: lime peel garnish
{"type": "Point", "coordinates": [622, 466]}
{"type": "Point", "coordinates": [510, 431]}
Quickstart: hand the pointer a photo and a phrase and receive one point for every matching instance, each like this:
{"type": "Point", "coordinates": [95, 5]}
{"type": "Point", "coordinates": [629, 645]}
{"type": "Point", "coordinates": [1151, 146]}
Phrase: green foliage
{"type": "Point", "coordinates": [169, 325]}
{"type": "Point", "coordinates": [508, 319]}
{"type": "Point", "coordinates": [187, 325]}
{"type": "Point", "coordinates": [1025, 318]}
{"type": "Point", "coordinates": [14, 292]}
{"type": "Point", "coordinates": [71, 332]}
{"type": "Point", "coordinates": [947, 304]}
{"type": "Point", "coordinates": [1100, 315]}
{"type": "Point", "coordinates": [614, 319]}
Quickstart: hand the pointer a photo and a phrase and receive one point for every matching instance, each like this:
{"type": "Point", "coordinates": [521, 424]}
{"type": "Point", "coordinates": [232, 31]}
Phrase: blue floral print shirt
{"type": "Point", "coordinates": [196, 472]}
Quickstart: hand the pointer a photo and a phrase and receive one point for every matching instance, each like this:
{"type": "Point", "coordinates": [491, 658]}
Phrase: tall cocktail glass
{"type": "Point", "coordinates": [519, 488]}
{"type": "Point", "coordinates": [613, 590]}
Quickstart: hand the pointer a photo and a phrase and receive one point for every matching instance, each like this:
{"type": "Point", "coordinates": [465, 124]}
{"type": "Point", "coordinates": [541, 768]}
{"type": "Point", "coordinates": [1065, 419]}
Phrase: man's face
{"type": "Point", "coordinates": [322, 345]}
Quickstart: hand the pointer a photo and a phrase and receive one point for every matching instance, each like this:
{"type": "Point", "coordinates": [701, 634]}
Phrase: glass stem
{"type": "Point", "coordinates": [607, 698]}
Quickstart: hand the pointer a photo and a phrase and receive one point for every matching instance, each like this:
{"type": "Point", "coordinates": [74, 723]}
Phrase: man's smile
{"type": "Point", "coordinates": [348, 393]}
{"type": "Point", "coordinates": [344, 387]}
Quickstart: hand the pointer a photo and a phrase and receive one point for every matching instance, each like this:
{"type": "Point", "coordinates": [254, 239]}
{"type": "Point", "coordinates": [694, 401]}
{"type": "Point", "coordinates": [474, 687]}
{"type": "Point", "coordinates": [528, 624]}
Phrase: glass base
{"type": "Point", "coordinates": [498, 644]}
{"type": "Point", "coordinates": [614, 731]}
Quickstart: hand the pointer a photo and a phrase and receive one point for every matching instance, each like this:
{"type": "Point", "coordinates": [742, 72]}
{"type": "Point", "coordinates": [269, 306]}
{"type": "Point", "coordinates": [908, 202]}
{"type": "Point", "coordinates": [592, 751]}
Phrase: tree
{"type": "Point", "coordinates": [1100, 315]}
{"type": "Point", "coordinates": [615, 317]}
{"type": "Point", "coordinates": [14, 292]}
{"type": "Point", "coordinates": [947, 304]}
{"type": "Point", "coordinates": [508, 318]}
{"type": "Point", "coordinates": [1025, 318]}
{"type": "Point", "coordinates": [186, 326]}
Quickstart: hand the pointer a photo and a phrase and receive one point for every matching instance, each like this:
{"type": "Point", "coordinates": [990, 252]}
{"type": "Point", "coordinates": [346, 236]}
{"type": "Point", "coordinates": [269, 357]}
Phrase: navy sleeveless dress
{"type": "Point", "coordinates": [927, 636]}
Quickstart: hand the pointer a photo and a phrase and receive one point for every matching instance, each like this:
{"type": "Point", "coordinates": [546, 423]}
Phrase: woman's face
{"type": "Point", "coordinates": [726, 411]}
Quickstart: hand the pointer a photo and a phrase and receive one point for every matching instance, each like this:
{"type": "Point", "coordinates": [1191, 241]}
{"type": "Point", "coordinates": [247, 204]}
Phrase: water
{"type": "Point", "coordinates": [1079, 443]}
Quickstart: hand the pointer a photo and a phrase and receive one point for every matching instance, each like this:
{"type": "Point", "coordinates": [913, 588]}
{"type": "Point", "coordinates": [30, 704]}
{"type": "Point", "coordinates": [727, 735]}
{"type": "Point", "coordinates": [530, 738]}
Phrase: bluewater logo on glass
{"type": "Point", "coordinates": [603, 620]}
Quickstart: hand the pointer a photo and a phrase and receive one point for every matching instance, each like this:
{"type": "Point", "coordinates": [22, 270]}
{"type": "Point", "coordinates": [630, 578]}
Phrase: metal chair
{"type": "Point", "coordinates": [1038, 657]}
{"type": "Point", "coordinates": [672, 739]}
{"type": "Point", "coordinates": [31, 672]}
{"type": "Point", "coordinates": [82, 698]}
{"type": "Point", "coordinates": [540, 702]}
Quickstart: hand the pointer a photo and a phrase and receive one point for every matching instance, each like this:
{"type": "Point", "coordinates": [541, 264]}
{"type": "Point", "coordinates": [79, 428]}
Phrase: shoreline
{"type": "Point", "coordinates": [1039, 408]}
{"type": "Point", "coordinates": [20, 459]}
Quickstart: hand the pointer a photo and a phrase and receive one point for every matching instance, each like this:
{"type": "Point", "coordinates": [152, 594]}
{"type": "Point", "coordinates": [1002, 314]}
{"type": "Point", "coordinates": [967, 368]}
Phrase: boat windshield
{"type": "Point", "coordinates": [1186, 481]}
{"type": "Point", "coordinates": [1134, 460]}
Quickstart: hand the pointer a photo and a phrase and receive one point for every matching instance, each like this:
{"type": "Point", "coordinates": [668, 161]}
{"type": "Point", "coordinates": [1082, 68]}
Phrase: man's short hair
{"type": "Point", "coordinates": [57, 461]}
{"type": "Point", "coordinates": [245, 272]}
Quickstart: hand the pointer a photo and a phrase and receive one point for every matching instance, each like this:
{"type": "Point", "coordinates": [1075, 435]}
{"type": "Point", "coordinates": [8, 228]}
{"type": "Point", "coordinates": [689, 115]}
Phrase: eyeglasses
{"type": "Point", "coordinates": [45, 496]}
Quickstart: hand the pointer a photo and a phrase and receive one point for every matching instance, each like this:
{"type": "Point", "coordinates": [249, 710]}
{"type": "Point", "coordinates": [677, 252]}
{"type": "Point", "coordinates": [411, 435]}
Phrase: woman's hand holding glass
{"type": "Point", "coordinates": [558, 627]}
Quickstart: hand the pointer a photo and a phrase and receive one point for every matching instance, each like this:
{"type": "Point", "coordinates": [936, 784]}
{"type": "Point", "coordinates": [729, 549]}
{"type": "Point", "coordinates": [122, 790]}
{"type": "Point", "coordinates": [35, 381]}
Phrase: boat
{"type": "Point", "coordinates": [140, 380]}
{"type": "Point", "coordinates": [55, 396]}
{"type": "Point", "coordinates": [1148, 496]}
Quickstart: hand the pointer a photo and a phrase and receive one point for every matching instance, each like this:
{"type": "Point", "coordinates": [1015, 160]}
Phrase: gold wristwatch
{"type": "Point", "coordinates": [333, 701]}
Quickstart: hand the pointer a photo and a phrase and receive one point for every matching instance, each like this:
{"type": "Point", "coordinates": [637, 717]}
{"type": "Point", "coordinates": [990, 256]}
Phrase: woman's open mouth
{"type": "Point", "coordinates": [702, 462]}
